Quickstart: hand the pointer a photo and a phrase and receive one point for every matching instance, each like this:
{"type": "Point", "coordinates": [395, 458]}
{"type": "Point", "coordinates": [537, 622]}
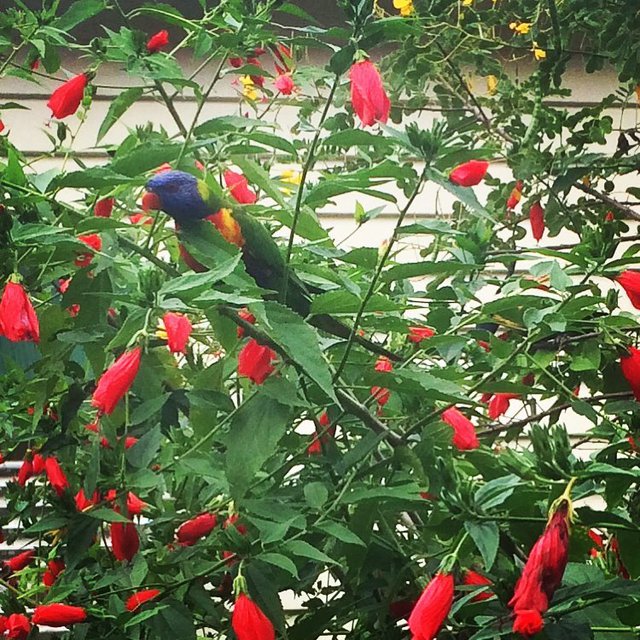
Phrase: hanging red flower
{"type": "Point", "coordinates": [54, 569]}
{"type": "Point", "coordinates": [368, 97]}
{"type": "Point", "coordinates": [255, 361]}
{"type": "Point", "coordinates": [542, 573]}
{"type": "Point", "coordinates": [536, 218]}
{"type": "Point", "coordinates": [191, 531]}
{"type": "Point", "coordinates": [464, 433]}
{"type": "Point", "coordinates": [103, 207]}
{"type": "Point", "coordinates": [55, 474]}
{"type": "Point", "coordinates": [249, 622]}
{"type": "Point", "coordinates": [178, 329]}
{"type": "Point", "coordinates": [418, 334]}
{"type": "Point", "coordinates": [93, 241]}
{"type": "Point", "coordinates": [247, 316]}
{"type": "Point", "coordinates": [125, 541]}
{"type": "Point", "coordinates": [66, 99]}
{"type": "Point", "coordinates": [83, 503]}
{"type": "Point", "coordinates": [238, 187]}
{"type": "Point", "coordinates": [630, 281]}
{"type": "Point", "coordinates": [157, 41]}
{"type": "Point", "coordinates": [136, 600]}
{"type": "Point", "coordinates": [469, 173]}
{"type": "Point", "coordinates": [630, 366]}
{"type": "Point", "coordinates": [58, 615]}
{"type": "Point", "coordinates": [20, 561]}
{"type": "Point", "coordinates": [116, 381]}
{"type": "Point", "coordinates": [17, 626]}
{"type": "Point", "coordinates": [135, 506]}
{"type": "Point", "coordinates": [432, 608]}
{"type": "Point", "coordinates": [25, 472]}
{"type": "Point", "coordinates": [18, 319]}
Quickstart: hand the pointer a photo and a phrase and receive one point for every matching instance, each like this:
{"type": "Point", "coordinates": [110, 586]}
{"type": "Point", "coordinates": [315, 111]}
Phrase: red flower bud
{"type": "Point", "coordinates": [469, 173]}
{"type": "Point", "coordinates": [249, 622]}
{"type": "Point", "coordinates": [499, 404]}
{"type": "Point", "coordinates": [630, 281]}
{"type": "Point", "coordinates": [17, 626]}
{"type": "Point", "coordinates": [66, 99]}
{"type": "Point", "coordinates": [191, 531]}
{"type": "Point", "coordinates": [516, 195]}
{"type": "Point", "coordinates": [140, 597]}
{"type": "Point", "coordinates": [93, 241]}
{"type": "Point", "coordinates": [418, 334]}
{"type": "Point", "coordinates": [116, 381]}
{"type": "Point", "coordinates": [157, 41]}
{"type": "Point", "coordinates": [178, 329]}
{"type": "Point", "coordinates": [54, 569]}
{"type": "Point", "coordinates": [58, 615]}
{"type": "Point", "coordinates": [368, 97]}
{"type": "Point", "coordinates": [536, 218]}
{"type": "Point", "coordinates": [83, 503]}
{"type": "Point", "coordinates": [284, 84]}
{"type": "Point", "coordinates": [254, 361]}
{"type": "Point", "coordinates": [238, 187]}
{"type": "Point", "coordinates": [135, 506]}
{"type": "Point", "coordinates": [124, 541]}
{"type": "Point", "coordinates": [55, 474]}
{"type": "Point", "coordinates": [19, 562]}
{"type": "Point", "coordinates": [247, 316]}
{"type": "Point", "coordinates": [38, 464]}
{"type": "Point", "coordinates": [464, 433]}
{"type": "Point", "coordinates": [432, 608]}
{"type": "Point", "coordinates": [474, 578]}
{"type": "Point", "coordinates": [18, 319]}
{"type": "Point", "coordinates": [103, 207]}
{"type": "Point", "coordinates": [25, 472]}
{"type": "Point", "coordinates": [236, 62]}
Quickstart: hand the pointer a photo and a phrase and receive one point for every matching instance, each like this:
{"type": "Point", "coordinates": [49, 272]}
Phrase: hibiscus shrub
{"type": "Point", "coordinates": [211, 420]}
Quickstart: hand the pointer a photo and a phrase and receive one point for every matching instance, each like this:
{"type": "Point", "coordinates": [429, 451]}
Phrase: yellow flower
{"type": "Point", "coordinates": [492, 85]}
{"type": "Point", "coordinates": [291, 176]}
{"type": "Point", "coordinates": [521, 28]}
{"type": "Point", "coordinates": [404, 6]}
{"type": "Point", "coordinates": [539, 54]}
{"type": "Point", "coordinates": [467, 3]}
{"type": "Point", "coordinates": [248, 88]}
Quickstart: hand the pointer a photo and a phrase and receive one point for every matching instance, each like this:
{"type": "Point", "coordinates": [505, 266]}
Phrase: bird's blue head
{"type": "Point", "coordinates": [178, 194]}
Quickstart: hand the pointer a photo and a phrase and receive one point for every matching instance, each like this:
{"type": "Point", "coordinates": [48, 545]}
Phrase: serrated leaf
{"type": "Point", "coordinates": [305, 550]}
{"type": "Point", "coordinates": [486, 536]}
{"type": "Point", "coordinates": [280, 561]}
{"type": "Point", "coordinates": [340, 532]}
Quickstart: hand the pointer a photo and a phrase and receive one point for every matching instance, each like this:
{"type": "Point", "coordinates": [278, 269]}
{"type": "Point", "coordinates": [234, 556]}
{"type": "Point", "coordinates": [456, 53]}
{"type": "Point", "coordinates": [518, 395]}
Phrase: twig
{"type": "Point", "coordinates": [608, 200]}
{"type": "Point", "coordinates": [518, 424]}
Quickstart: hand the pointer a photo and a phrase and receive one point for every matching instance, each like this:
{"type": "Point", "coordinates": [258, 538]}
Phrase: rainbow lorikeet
{"type": "Point", "coordinates": [187, 199]}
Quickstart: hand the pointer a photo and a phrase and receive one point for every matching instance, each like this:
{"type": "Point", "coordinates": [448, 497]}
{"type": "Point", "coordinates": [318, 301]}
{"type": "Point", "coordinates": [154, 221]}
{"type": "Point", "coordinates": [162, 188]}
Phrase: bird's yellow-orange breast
{"type": "Point", "coordinates": [227, 226]}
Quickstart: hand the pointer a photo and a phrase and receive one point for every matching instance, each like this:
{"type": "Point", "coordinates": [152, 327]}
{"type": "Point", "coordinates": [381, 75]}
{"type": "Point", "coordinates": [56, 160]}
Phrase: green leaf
{"type": "Point", "coordinates": [255, 431]}
{"type": "Point", "coordinates": [416, 269]}
{"type": "Point", "coordinates": [91, 178]}
{"type": "Point", "coordinates": [346, 303]}
{"type": "Point", "coordinates": [78, 12]}
{"type": "Point", "coordinates": [145, 450]}
{"type": "Point", "coordinates": [173, 621]}
{"type": "Point", "coordinates": [486, 536]}
{"type": "Point", "coordinates": [409, 492]}
{"type": "Point", "coordinates": [495, 492]}
{"type": "Point", "coordinates": [117, 108]}
{"type": "Point", "coordinates": [46, 523]}
{"type": "Point", "coordinates": [299, 340]}
{"type": "Point", "coordinates": [463, 194]}
{"type": "Point", "coordinates": [191, 284]}
{"type": "Point", "coordinates": [280, 561]}
{"type": "Point", "coordinates": [340, 532]}
{"type": "Point", "coordinates": [305, 550]}
{"type": "Point", "coordinates": [145, 157]}
{"type": "Point", "coordinates": [316, 494]}
{"type": "Point", "coordinates": [356, 138]}
{"type": "Point", "coordinates": [106, 515]}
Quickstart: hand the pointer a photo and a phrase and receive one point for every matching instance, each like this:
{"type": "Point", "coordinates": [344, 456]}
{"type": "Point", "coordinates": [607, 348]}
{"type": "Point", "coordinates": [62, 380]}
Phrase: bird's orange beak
{"type": "Point", "coordinates": [150, 202]}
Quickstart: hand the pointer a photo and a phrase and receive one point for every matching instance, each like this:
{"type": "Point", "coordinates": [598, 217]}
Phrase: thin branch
{"type": "Point", "coordinates": [608, 200]}
{"type": "Point", "coordinates": [518, 424]}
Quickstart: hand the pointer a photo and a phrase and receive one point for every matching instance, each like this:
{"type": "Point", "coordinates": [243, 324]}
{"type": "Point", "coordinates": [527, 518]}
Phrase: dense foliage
{"type": "Point", "coordinates": [189, 444]}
